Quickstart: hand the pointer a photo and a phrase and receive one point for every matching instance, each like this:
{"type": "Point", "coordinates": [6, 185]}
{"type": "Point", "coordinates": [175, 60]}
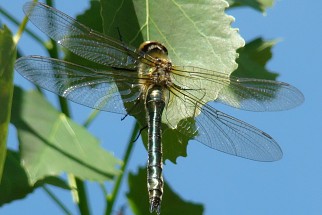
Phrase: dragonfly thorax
{"type": "Point", "coordinates": [157, 69]}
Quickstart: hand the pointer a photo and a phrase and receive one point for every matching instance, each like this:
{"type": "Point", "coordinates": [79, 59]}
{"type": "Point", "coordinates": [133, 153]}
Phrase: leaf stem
{"type": "Point", "coordinates": [55, 199]}
{"type": "Point", "coordinates": [111, 198]}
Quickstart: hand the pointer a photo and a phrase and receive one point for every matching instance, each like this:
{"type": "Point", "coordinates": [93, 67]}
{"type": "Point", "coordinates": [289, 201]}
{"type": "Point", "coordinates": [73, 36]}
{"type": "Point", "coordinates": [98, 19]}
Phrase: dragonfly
{"type": "Point", "coordinates": [144, 80]}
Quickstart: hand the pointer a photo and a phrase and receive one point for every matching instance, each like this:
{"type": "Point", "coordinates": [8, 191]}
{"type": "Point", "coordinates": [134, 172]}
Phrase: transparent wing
{"type": "Point", "coordinates": [242, 93]}
{"type": "Point", "coordinates": [80, 39]}
{"type": "Point", "coordinates": [230, 135]}
{"type": "Point", "coordinates": [105, 90]}
{"type": "Point", "coordinates": [226, 133]}
{"type": "Point", "coordinates": [260, 95]}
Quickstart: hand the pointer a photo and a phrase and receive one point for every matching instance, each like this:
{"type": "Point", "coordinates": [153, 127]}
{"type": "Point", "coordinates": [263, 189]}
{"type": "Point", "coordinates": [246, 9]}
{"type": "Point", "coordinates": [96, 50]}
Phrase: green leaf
{"type": "Point", "coordinates": [171, 204]}
{"type": "Point", "coordinates": [120, 21]}
{"type": "Point", "coordinates": [54, 181]}
{"type": "Point", "coordinates": [260, 5]}
{"type": "Point", "coordinates": [15, 183]}
{"type": "Point", "coordinates": [51, 143]}
{"type": "Point", "coordinates": [92, 17]}
{"type": "Point", "coordinates": [253, 59]}
{"type": "Point", "coordinates": [7, 60]}
{"type": "Point", "coordinates": [195, 33]}
{"type": "Point", "coordinates": [174, 144]}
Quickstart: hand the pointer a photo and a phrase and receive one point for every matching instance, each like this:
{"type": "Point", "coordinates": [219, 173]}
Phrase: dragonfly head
{"type": "Point", "coordinates": [157, 51]}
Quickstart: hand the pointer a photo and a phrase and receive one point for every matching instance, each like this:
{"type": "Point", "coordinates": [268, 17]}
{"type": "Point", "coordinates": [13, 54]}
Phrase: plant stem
{"type": "Point", "coordinates": [55, 199]}
{"type": "Point", "coordinates": [82, 196]}
{"type": "Point", "coordinates": [111, 198]}
{"type": "Point", "coordinates": [64, 106]}
{"type": "Point", "coordinates": [22, 27]}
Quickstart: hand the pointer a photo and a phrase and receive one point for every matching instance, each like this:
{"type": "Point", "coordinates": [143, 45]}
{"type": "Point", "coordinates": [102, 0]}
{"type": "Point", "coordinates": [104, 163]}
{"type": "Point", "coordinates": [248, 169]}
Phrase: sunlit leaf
{"type": "Point", "coordinates": [7, 60]}
{"type": "Point", "coordinates": [172, 203]}
{"type": "Point", "coordinates": [51, 143]}
{"type": "Point", "coordinates": [195, 33]}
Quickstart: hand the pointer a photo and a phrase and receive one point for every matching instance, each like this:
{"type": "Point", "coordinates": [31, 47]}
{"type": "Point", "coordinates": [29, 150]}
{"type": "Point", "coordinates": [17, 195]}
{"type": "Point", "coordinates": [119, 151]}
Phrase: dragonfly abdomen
{"type": "Point", "coordinates": [155, 103]}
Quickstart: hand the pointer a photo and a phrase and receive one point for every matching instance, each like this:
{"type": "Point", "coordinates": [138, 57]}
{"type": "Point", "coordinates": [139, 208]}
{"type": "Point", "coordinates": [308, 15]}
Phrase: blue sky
{"type": "Point", "coordinates": [227, 184]}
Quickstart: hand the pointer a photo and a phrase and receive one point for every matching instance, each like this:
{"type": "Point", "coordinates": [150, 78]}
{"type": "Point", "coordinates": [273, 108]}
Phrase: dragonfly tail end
{"type": "Point", "coordinates": [155, 205]}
